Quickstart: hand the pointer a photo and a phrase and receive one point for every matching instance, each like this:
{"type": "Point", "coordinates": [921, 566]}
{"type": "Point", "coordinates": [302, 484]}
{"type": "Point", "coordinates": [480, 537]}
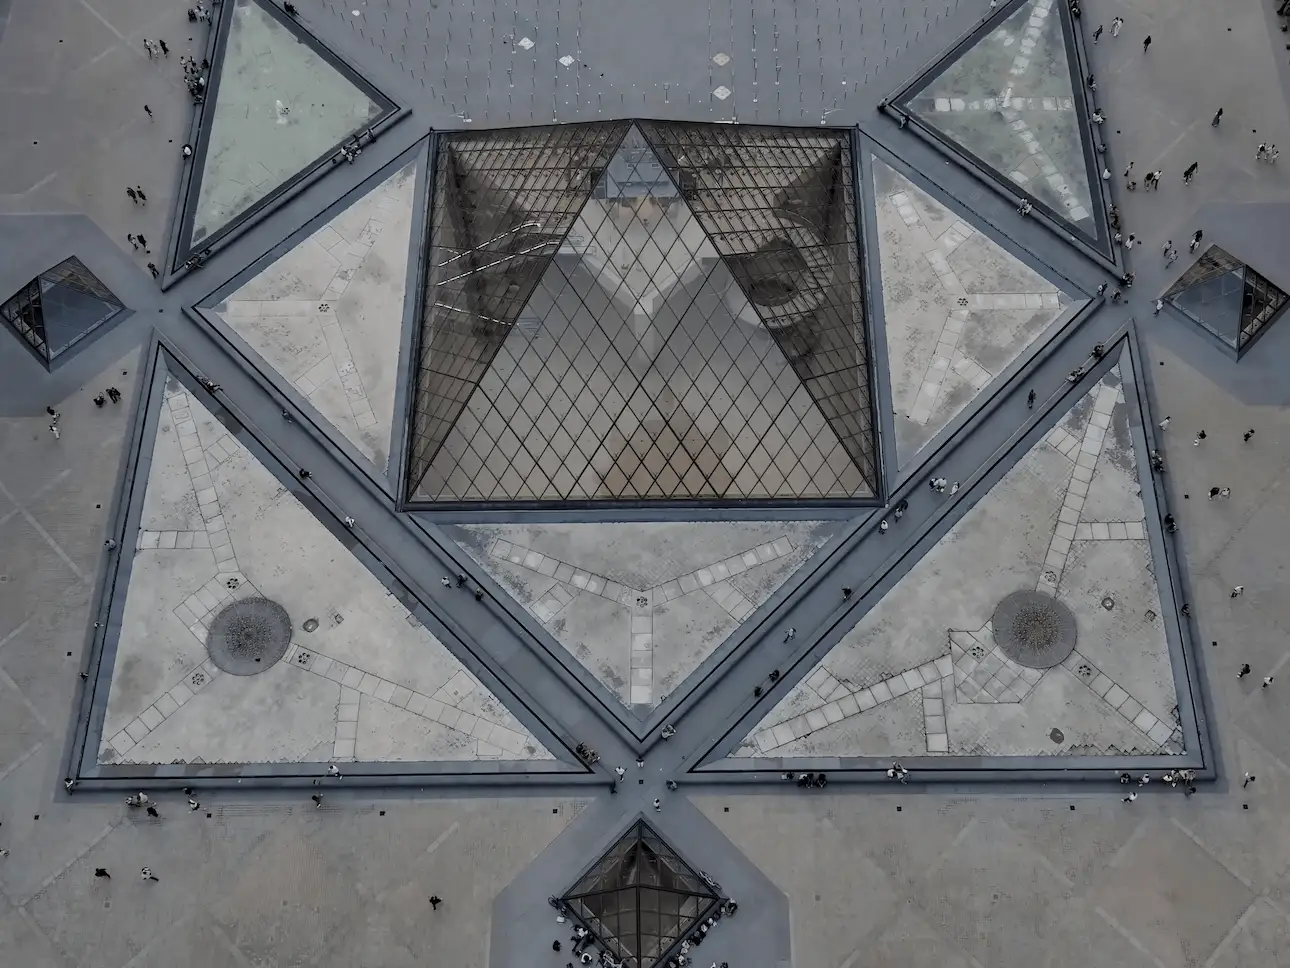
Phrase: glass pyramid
{"type": "Point", "coordinates": [1226, 297]}
{"type": "Point", "coordinates": [59, 308]}
{"type": "Point", "coordinates": [640, 899]}
{"type": "Point", "coordinates": [1012, 104]}
{"type": "Point", "coordinates": [665, 352]}
{"type": "Point", "coordinates": [282, 104]}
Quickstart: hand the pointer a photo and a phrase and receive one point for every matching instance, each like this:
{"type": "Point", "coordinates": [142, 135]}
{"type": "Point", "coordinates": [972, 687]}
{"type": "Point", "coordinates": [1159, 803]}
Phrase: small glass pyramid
{"type": "Point", "coordinates": [1226, 297]}
{"type": "Point", "coordinates": [640, 899]}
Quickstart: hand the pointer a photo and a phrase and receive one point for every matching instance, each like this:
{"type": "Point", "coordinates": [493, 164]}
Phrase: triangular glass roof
{"type": "Point", "coordinates": [640, 899]}
{"type": "Point", "coordinates": [1226, 297]}
{"type": "Point", "coordinates": [59, 308]}
{"type": "Point", "coordinates": [1007, 98]}
{"type": "Point", "coordinates": [665, 352]}
{"type": "Point", "coordinates": [279, 105]}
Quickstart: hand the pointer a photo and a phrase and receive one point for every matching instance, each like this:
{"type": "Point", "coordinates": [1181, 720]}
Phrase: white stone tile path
{"type": "Point", "coordinates": [840, 701]}
{"type": "Point", "coordinates": [493, 740]}
{"type": "Point", "coordinates": [338, 365]}
{"type": "Point", "coordinates": [975, 670]}
{"type": "Point", "coordinates": [713, 580]}
{"type": "Point", "coordinates": [948, 355]}
{"type": "Point", "coordinates": [165, 706]}
{"type": "Point", "coordinates": [1038, 162]}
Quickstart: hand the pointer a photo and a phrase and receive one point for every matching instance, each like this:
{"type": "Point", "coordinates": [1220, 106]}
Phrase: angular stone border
{"type": "Point", "coordinates": [179, 247]}
{"type": "Point", "coordinates": [163, 361]}
{"type": "Point", "coordinates": [713, 767]}
{"type": "Point", "coordinates": [292, 393]}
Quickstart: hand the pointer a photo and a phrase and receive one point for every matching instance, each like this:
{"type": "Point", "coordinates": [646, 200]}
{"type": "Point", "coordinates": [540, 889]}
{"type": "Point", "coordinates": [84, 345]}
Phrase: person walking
{"type": "Point", "coordinates": [1245, 670]}
{"type": "Point", "coordinates": [1146, 43]}
{"type": "Point", "coordinates": [1116, 24]}
{"type": "Point", "coordinates": [148, 111]}
{"type": "Point", "coordinates": [1030, 400]}
{"type": "Point", "coordinates": [1195, 239]}
{"type": "Point", "coordinates": [1097, 34]}
{"type": "Point", "coordinates": [1190, 172]}
{"type": "Point", "coordinates": [1218, 116]}
{"type": "Point", "coordinates": [435, 901]}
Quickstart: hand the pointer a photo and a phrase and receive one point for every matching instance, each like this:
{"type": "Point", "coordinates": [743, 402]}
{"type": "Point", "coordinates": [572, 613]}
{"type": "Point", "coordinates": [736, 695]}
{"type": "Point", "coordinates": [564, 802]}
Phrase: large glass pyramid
{"type": "Point", "coordinates": [59, 308]}
{"type": "Point", "coordinates": [1226, 297]}
{"type": "Point", "coordinates": [698, 334]}
{"type": "Point", "coordinates": [281, 104]}
{"type": "Point", "coordinates": [640, 899]}
{"type": "Point", "coordinates": [1012, 104]}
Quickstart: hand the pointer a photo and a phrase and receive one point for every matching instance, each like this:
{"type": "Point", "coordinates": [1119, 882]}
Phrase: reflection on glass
{"type": "Point", "coordinates": [1226, 297]}
{"type": "Point", "coordinates": [59, 308]}
{"type": "Point", "coordinates": [640, 899]}
{"type": "Point", "coordinates": [1010, 103]}
{"type": "Point", "coordinates": [688, 337]}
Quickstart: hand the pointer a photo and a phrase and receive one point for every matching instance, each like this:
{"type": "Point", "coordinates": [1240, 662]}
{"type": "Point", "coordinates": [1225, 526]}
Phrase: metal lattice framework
{"type": "Point", "coordinates": [643, 311]}
{"type": "Point", "coordinates": [59, 308]}
{"type": "Point", "coordinates": [640, 899]}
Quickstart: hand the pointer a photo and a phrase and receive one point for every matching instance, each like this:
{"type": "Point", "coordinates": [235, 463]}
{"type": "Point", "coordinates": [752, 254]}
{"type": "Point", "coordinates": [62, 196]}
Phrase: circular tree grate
{"type": "Point", "coordinates": [249, 636]}
{"type": "Point", "coordinates": [1033, 629]}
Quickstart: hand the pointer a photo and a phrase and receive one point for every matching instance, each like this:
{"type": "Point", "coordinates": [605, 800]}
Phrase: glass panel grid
{"type": "Point", "coordinates": [633, 367]}
{"type": "Point", "coordinates": [1226, 297]}
{"type": "Point", "coordinates": [59, 308]}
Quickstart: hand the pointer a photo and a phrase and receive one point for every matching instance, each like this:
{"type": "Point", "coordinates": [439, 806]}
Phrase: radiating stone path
{"type": "Point", "coordinates": [493, 740]}
{"type": "Point", "coordinates": [571, 581]}
{"type": "Point", "coordinates": [958, 308]}
{"type": "Point", "coordinates": [974, 670]}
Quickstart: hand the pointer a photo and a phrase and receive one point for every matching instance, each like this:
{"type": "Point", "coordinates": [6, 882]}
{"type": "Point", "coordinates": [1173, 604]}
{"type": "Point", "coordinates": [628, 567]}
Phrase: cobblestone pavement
{"type": "Point", "coordinates": [482, 690]}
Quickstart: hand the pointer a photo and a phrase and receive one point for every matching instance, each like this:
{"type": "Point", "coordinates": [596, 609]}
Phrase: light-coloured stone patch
{"type": "Point", "coordinates": [958, 308]}
{"type": "Point", "coordinates": [642, 605]}
{"type": "Point", "coordinates": [328, 314]}
{"type": "Point", "coordinates": [168, 703]}
{"type": "Point", "coordinates": [1113, 694]}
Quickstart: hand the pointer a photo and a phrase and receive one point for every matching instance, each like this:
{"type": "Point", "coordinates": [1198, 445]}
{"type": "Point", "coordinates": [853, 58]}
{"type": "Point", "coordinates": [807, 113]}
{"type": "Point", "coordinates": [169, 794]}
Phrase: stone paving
{"type": "Point", "coordinates": [958, 309]}
{"type": "Point", "coordinates": [915, 678]}
{"type": "Point", "coordinates": [367, 681]}
{"type": "Point", "coordinates": [972, 877]}
{"type": "Point", "coordinates": [642, 606]}
{"type": "Point", "coordinates": [327, 316]}
{"type": "Point", "coordinates": [1009, 101]}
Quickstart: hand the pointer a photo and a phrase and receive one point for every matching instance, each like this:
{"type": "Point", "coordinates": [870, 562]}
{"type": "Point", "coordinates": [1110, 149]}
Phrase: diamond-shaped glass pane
{"type": "Point", "coordinates": [779, 207]}
{"type": "Point", "coordinates": [59, 308]}
{"type": "Point", "coordinates": [639, 367]}
{"type": "Point", "coordinates": [1012, 104]}
{"type": "Point", "coordinates": [1226, 297]}
{"type": "Point", "coordinates": [503, 203]}
{"type": "Point", "coordinates": [280, 105]}
{"type": "Point", "coordinates": [640, 899]}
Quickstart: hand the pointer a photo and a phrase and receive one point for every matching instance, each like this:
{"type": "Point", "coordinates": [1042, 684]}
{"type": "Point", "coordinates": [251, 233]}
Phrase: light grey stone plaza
{"type": "Point", "coordinates": [517, 485]}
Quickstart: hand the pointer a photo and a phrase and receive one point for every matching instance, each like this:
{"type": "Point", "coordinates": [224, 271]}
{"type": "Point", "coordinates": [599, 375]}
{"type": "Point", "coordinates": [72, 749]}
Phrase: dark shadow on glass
{"type": "Point", "coordinates": [1227, 298]}
{"type": "Point", "coordinates": [640, 900]}
{"type": "Point", "coordinates": [59, 308]}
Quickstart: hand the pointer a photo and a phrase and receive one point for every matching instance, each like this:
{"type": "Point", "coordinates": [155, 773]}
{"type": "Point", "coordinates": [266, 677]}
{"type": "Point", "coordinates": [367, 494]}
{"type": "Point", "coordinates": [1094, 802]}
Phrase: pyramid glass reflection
{"type": "Point", "coordinates": [693, 334]}
{"type": "Point", "coordinates": [640, 899]}
{"type": "Point", "coordinates": [59, 308]}
{"type": "Point", "coordinates": [1226, 297]}
{"type": "Point", "coordinates": [1012, 104]}
{"type": "Point", "coordinates": [282, 104]}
